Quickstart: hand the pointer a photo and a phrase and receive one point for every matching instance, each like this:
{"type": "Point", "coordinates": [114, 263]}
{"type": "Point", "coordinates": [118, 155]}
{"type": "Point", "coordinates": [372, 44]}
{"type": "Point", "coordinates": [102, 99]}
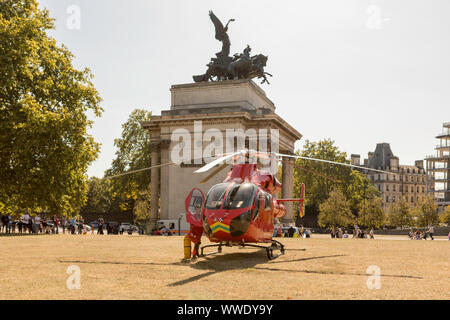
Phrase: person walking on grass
{"type": "Point", "coordinates": [73, 225]}
{"type": "Point", "coordinates": [430, 232]}
{"type": "Point", "coordinates": [55, 221]}
{"type": "Point", "coordinates": [5, 222]}
{"type": "Point", "coordinates": [80, 225]}
{"type": "Point", "coordinates": [355, 231]}
{"type": "Point", "coordinates": [100, 225]}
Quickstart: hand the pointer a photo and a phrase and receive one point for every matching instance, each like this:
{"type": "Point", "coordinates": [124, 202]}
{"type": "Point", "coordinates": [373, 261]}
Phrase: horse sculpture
{"type": "Point", "coordinates": [240, 66]}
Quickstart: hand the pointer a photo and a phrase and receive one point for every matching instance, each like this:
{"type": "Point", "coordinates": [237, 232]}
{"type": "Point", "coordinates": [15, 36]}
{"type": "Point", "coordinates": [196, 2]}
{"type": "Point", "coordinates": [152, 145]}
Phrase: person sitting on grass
{"type": "Point", "coordinates": [308, 233]}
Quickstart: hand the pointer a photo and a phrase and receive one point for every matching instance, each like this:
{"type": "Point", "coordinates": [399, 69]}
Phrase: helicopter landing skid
{"type": "Point", "coordinates": [219, 249]}
{"type": "Point", "coordinates": [276, 245]}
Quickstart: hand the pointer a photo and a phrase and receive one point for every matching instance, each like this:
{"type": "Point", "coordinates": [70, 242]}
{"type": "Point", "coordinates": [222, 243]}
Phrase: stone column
{"type": "Point", "coordinates": [164, 191]}
{"type": "Point", "coordinates": [287, 188]}
{"type": "Point", "coordinates": [154, 187]}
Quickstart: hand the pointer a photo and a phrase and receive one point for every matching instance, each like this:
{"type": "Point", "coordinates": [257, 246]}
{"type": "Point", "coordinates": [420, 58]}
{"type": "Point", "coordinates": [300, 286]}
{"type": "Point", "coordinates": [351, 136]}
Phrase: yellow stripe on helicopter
{"type": "Point", "coordinates": [219, 226]}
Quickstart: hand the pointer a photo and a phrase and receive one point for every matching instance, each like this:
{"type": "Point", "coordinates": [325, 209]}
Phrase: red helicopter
{"type": "Point", "coordinates": [241, 210]}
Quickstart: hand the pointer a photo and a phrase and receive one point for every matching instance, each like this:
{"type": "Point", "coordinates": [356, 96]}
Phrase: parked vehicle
{"type": "Point", "coordinates": [175, 226]}
{"type": "Point", "coordinates": [129, 228]}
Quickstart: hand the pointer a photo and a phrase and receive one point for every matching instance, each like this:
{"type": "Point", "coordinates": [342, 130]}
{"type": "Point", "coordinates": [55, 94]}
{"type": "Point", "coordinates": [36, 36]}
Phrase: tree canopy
{"type": "Point", "coordinates": [425, 213]}
{"type": "Point", "coordinates": [400, 214]}
{"type": "Point", "coordinates": [45, 148]}
{"type": "Point", "coordinates": [335, 211]}
{"type": "Point", "coordinates": [322, 178]}
{"type": "Point", "coordinates": [133, 153]}
{"type": "Point", "coordinates": [444, 216]}
{"type": "Point", "coordinates": [371, 213]}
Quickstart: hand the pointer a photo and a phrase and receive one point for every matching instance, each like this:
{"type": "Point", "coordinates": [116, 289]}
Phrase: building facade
{"type": "Point", "coordinates": [199, 109]}
{"type": "Point", "coordinates": [406, 182]}
{"type": "Point", "coordinates": [438, 168]}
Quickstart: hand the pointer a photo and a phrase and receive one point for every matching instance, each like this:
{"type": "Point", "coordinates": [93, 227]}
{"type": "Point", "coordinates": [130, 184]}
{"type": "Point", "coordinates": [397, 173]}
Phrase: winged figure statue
{"type": "Point", "coordinates": [240, 66]}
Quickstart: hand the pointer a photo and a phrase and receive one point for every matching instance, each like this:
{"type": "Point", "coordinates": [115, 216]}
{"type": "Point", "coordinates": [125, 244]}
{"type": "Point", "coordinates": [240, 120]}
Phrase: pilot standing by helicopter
{"type": "Point", "coordinates": [195, 233]}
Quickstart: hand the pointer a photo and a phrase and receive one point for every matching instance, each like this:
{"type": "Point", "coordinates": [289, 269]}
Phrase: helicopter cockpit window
{"type": "Point", "coordinates": [267, 202]}
{"type": "Point", "coordinates": [240, 196]}
{"type": "Point", "coordinates": [257, 205]}
{"type": "Point", "coordinates": [215, 196]}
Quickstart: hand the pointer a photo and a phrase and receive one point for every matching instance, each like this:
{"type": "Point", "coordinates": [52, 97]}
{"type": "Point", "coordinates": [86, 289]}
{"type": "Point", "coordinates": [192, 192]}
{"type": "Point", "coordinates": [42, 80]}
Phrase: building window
{"type": "Point", "coordinates": [394, 188]}
{"type": "Point", "coordinates": [387, 188]}
{"type": "Point", "coordinates": [412, 199]}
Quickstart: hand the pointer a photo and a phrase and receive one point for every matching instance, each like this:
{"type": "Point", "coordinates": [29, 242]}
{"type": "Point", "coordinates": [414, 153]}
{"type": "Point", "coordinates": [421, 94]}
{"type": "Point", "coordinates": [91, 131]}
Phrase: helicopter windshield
{"type": "Point", "coordinates": [240, 196]}
{"type": "Point", "coordinates": [215, 196]}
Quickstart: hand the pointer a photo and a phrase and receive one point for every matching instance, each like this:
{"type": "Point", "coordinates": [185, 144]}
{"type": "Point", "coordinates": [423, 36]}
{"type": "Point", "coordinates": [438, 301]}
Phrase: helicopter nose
{"type": "Point", "coordinates": [240, 224]}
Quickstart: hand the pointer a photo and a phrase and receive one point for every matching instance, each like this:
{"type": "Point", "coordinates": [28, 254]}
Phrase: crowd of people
{"type": "Point", "coordinates": [46, 224]}
{"type": "Point", "coordinates": [357, 233]}
{"type": "Point", "coordinates": [291, 232]}
{"type": "Point", "coordinates": [422, 235]}
{"type": "Point", "coordinates": [42, 224]}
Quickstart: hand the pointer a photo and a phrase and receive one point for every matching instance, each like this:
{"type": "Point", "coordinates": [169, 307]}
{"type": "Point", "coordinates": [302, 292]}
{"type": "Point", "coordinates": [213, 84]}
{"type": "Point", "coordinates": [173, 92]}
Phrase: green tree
{"type": "Point", "coordinates": [371, 213]}
{"type": "Point", "coordinates": [358, 189]}
{"type": "Point", "coordinates": [425, 212]}
{"type": "Point", "coordinates": [400, 214]}
{"type": "Point", "coordinates": [321, 178]}
{"type": "Point", "coordinates": [444, 216]}
{"type": "Point", "coordinates": [99, 199]}
{"type": "Point", "coordinates": [141, 210]}
{"type": "Point", "coordinates": [133, 153]}
{"type": "Point", "coordinates": [45, 149]}
{"type": "Point", "coordinates": [335, 211]}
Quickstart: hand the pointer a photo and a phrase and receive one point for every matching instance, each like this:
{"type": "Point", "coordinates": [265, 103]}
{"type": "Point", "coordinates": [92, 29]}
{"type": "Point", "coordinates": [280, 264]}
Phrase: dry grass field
{"type": "Point", "coordinates": [143, 267]}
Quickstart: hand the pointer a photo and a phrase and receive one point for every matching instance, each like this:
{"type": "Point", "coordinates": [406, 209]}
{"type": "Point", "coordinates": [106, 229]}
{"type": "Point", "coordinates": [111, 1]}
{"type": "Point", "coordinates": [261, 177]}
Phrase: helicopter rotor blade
{"type": "Point", "coordinates": [218, 161]}
{"type": "Point", "coordinates": [139, 170]}
{"type": "Point", "coordinates": [331, 162]}
{"type": "Point", "coordinates": [212, 174]}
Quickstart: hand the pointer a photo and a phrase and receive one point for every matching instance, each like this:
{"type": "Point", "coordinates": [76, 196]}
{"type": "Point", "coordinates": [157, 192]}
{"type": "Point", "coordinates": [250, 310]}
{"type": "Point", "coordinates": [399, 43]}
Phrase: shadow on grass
{"type": "Point", "coordinates": [21, 234]}
{"type": "Point", "coordinates": [338, 273]}
{"type": "Point", "coordinates": [238, 261]}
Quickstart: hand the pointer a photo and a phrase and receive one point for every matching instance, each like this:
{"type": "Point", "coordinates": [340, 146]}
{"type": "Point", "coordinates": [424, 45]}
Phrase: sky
{"type": "Point", "coordinates": [359, 72]}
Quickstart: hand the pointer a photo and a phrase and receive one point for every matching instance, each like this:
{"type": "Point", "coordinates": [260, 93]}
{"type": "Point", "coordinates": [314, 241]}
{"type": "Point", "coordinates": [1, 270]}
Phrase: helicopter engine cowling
{"type": "Point", "coordinates": [279, 210]}
{"type": "Point", "coordinates": [269, 182]}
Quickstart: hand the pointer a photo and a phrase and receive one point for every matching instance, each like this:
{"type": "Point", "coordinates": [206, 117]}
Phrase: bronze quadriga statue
{"type": "Point", "coordinates": [240, 66]}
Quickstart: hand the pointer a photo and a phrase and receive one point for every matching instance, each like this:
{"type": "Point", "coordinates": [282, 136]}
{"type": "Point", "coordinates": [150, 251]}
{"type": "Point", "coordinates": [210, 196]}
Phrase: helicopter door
{"type": "Point", "coordinates": [193, 205]}
{"type": "Point", "coordinates": [258, 206]}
